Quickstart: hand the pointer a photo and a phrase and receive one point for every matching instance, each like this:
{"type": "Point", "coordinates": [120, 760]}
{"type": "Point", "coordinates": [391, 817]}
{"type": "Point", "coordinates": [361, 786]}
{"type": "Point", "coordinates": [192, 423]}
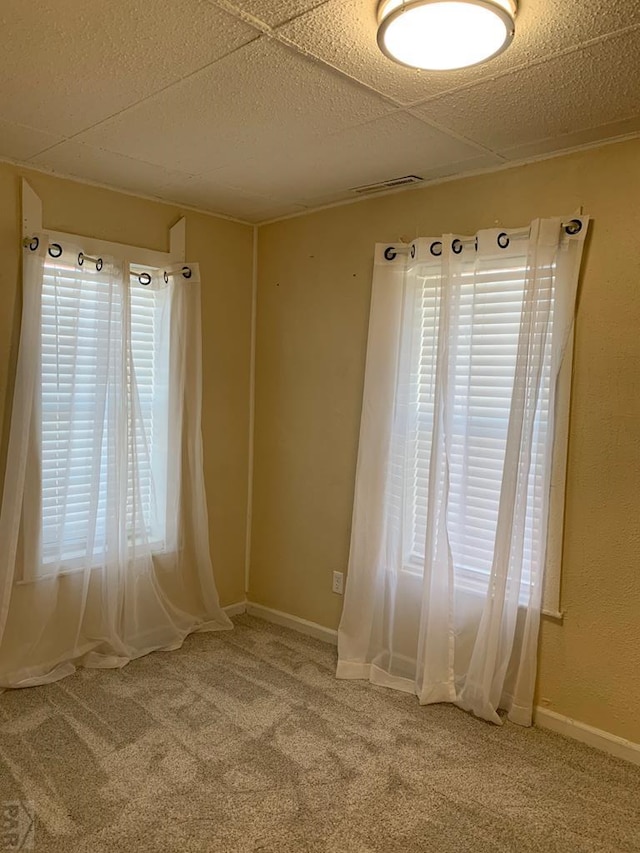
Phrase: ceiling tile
{"type": "Point", "coordinates": [212, 195]}
{"type": "Point", "coordinates": [574, 140]}
{"type": "Point", "coordinates": [19, 143]}
{"type": "Point", "coordinates": [451, 170]}
{"type": "Point", "coordinates": [275, 211]}
{"type": "Point", "coordinates": [155, 94]}
{"type": "Point", "coordinates": [67, 65]}
{"type": "Point", "coordinates": [595, 86]}
{"type": "Point", "coordinates": [261, 100]}
{"type": "Point", "coordinates": [275, 12]}
{"type": "Point", "coordinates": [84, 161]}
{"type": "Point", "coordinates": [387, 148]}
{"type": "Point", "coordinates": [344, 35]}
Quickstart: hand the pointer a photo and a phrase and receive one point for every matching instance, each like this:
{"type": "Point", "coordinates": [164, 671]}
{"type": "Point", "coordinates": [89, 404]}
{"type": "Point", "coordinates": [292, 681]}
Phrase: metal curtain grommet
{"type": "Point", "coordinates": [503, 240]}
{"type": "Point", "coordinates": [80, 258]}
{"type": "Point", "coordinates": [413, 251]}
{"type": "Point", "coordinates": [390, 253]}
{"type": "Point", "coordinates": [144, 278]}
{"type": "Point", "coordinates": [34, 243]}
{"type": "Point", "coordinates": [186, 272]}
{"type": "Point", "coordinates": [99, 264]}
{"type": "Point", "coordinates": [456, 246]}
{"type": "Point", "coordinates": [475, 244]}
{"type": "Point", "coordinates": [573, 227]}
{"type": "Point", "coordinates": [166, 277]}
{"type": "Point", "coordinates": [436, 249]}
{"type": "Point", "coordinates": [55, 250]}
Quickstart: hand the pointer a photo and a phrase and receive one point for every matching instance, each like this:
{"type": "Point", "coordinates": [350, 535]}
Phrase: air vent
{"type": "Point", "coordinates": [391, 184]}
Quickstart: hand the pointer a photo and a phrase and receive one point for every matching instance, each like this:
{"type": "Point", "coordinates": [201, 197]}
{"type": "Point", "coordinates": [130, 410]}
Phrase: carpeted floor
{"type": "Point", "coordinates": [244, 741]}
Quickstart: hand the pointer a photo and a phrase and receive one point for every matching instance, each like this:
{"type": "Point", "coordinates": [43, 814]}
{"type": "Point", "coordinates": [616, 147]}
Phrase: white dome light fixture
{"type": "Point", "coordinates": [440, 35]}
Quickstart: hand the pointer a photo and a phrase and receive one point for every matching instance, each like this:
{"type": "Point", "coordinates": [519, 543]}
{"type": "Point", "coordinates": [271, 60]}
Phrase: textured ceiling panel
{"type": "Point", "coordinates": [275, 13]}
{"type": "Point", "coordinates": [66, 65]}
{"type": "Point", "coordinates": [215, 196]}
{"type": "Point", "coordinates": [344, 34]}
{"type": "Point", "coordinates": [20, 143]}
{"type": "Point", "coordinates": [592, 135]}
{"type": "Point", "coordinates": [386, 148]}
{"type": "Point", "coordinates": [84, 161]}
{"type": "Point", "coordinates": [319, 196]}
{"type": "Point", "coordinates": [260, 101]}
{"type": "Point", "coordinates": [598, 86]}
{"type": "Point", "coordinates": [192, 101]}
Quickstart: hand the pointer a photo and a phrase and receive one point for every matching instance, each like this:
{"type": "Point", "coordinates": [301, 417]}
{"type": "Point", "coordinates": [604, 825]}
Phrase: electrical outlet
{"type": "Point", "coordinates": [338, 583]}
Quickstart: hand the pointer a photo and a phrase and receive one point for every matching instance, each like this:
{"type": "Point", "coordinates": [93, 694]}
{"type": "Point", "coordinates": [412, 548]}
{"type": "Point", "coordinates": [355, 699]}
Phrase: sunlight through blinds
{"type": "Point", "coordinates": [483, 339]}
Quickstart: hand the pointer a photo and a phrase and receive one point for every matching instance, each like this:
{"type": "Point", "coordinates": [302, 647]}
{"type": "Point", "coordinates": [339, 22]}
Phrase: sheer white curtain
{"type": "Point", "coordinates": [104, 531]}
{"type": "Point", "coordinates": [466, 340]}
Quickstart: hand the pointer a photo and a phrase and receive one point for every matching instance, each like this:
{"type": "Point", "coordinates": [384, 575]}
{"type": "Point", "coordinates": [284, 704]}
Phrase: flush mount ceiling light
{"type": "Point", "coordinates": [440, 35]}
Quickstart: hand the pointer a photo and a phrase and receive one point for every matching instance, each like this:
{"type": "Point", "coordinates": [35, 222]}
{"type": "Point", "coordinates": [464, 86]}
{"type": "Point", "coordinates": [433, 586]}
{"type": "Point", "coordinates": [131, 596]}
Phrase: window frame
{"type": "Point", "coordinates": [129, 255]}
{"type": "Point", "coordinates": [551, 593]}
{"type": "Point", "coordinates": [158, 538]}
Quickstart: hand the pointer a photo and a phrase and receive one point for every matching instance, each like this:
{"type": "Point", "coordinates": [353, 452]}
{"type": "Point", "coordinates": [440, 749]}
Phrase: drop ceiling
{"type": "Point", "coordinates": [257, 109]}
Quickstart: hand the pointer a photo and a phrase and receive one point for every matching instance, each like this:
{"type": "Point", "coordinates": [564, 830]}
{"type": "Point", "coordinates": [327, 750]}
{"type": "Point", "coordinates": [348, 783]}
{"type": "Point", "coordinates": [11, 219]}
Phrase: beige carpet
{"type": "Point", "coordinates": [245, 741]}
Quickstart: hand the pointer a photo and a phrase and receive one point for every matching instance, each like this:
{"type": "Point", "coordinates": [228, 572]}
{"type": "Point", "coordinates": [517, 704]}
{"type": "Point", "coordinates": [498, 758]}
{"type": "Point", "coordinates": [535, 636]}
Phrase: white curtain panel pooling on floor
{"type": "Point", "coordinates": [449, 532]}
{"type": "Point", "coordinates": [104, 529]}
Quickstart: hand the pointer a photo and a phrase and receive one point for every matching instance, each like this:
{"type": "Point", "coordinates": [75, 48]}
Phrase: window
{"type": "Point", "coordinates": [91, 329]}
{"type": "Point", "coordinates": [483, 342]}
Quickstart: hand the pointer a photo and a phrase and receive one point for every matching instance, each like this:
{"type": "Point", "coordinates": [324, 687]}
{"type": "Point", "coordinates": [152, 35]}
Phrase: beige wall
{"type": "Point", "coordinates": [313, 301]}
{"type": "Point", "coordinates": [314, 290]}
{"type": "Point", "coordinates": [224, 250]}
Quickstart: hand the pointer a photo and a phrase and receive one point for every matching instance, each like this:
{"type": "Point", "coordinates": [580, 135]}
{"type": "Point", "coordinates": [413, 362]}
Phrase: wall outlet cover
{"type": "Point", "coordinates": [338, 583]}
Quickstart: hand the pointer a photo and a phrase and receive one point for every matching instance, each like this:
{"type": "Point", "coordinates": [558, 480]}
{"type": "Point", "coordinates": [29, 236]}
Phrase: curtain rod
{"type": "Point", "coordinates": [55, 251]}
{"type": "Point", "coordinates": [573, 226]}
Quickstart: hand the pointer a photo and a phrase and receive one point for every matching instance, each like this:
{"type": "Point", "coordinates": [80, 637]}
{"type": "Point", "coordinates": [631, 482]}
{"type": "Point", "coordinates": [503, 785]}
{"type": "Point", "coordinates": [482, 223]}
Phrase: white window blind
{"type": "Point", "coordinates": [149, 430]}
{"type": "Point", "coordinates": [81, 337]}
{"type": "Point", "coordinates": [483, 340]}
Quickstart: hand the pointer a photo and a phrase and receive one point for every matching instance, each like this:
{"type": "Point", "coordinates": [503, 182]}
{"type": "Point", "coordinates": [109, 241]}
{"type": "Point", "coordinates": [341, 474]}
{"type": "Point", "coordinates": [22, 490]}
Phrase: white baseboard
{"type": "Point", "coordinates": [312, 629]}
{"type": "Point", "coordinates": [605, 741]}
{"type": "Point", "coordinates": [235, 609]}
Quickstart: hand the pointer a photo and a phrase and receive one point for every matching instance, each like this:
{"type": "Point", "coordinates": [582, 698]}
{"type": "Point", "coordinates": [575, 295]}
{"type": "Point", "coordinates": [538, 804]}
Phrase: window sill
{"type": "Point", "coordinates": [472, 586]}
{"type": "Point", "coordinates": [554, 615]}
{"type": "Point", "coordinates": [76, 566]}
